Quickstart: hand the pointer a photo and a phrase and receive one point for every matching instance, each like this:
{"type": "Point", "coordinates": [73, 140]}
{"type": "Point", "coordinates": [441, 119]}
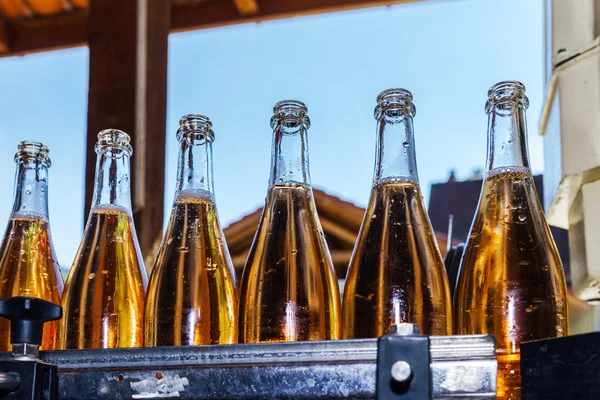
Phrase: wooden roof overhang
{"type": "Point", "coordinates": [28, 26]}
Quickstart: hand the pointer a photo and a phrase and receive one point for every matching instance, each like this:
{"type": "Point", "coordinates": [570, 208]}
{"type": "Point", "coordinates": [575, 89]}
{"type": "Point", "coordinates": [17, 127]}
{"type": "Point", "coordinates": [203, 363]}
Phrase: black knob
{"type": "Point", "coordinates": [27, 316]}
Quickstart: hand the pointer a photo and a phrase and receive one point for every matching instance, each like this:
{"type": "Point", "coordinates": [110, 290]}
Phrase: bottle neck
{"type": "Point", "coordinates": [289, 158]}
{"type": "Point", "coordinates": [194, 167]}
{"type": "Point", "coordinates": [507, 137]}
{"type": "Point", "coordinates": [112, 186]}
{"type": "Point", "coordinates": [31, 188]}
{"type": "Point", "coordinates": [395, 155]}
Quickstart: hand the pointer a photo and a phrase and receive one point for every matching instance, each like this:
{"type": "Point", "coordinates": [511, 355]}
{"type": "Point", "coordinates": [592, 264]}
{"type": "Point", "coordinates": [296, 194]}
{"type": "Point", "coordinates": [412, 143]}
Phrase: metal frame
{"type": "Point", "coordinates": [461, 367]}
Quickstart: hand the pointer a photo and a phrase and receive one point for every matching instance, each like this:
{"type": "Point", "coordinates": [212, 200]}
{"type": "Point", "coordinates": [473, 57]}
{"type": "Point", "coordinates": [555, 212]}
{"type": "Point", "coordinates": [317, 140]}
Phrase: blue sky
{"type": "Point", "coordinates": [448, 53]}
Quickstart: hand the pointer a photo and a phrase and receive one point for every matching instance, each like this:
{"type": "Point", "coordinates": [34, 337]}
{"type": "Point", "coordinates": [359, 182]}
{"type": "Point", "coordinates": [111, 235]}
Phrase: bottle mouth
{"type": "Point", "coordinates": [196, 127]}
{"type": "Point", "coordinates": [293, 111]}
{"type": "Point", "coordinates": [505, 94]}
{"type": "Point", "coordinates": [395, 99]}
{"type": "Point", "coordinates": [115, 141]}
{"type": "Point", "coordinates": [30, 150]}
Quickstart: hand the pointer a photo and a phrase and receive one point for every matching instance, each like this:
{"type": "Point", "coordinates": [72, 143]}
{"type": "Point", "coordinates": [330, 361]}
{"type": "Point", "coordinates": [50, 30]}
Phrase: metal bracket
{"type": "Point", "coordinates": [21, 379]}
{"type": "Point", "coordinates": [403, 361]}
{"type": "Point", "coordinates": [22, 374]}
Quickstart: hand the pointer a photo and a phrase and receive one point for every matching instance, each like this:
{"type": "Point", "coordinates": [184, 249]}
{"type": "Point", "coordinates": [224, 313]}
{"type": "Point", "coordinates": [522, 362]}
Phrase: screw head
{"type": "Point", "coordinates": [401, 371]}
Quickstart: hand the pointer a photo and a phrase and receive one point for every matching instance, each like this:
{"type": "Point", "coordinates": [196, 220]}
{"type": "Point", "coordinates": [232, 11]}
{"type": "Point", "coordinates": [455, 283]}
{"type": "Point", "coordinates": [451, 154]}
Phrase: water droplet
{"type": "Point", "coordinates": [170, 241]}
{"type": "Point", "coordinates": [27, 191]}
{"type": "Point", "coordinates": [294, 251]}
{"type": "Point", "coordinates": [22, 252]}
{"type": "Point", "coordinates": [374, 216]}
{"type": "Point", "coordinates": [91, 276]}
{"type": "Point", "coordinates": [405, 144]}
{"type": "Point", "coordinates": [183, 249]}
{"type": "Point", "coordinates": [105, 271]}
{"type": "Point", "coordinates": [522, 217]}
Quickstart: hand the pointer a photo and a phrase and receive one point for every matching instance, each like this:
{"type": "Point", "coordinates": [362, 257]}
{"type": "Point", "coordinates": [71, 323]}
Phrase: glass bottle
{"type": "Point", "coordinates": [289, 290]}
{"type": "Point", "coordinates": [192, 294]}
{"type": "Point", "coordinates": [511, 283]}
{"type": "Point", "coordinates": [28, 265]}
{"type": "Point", "coordinates": [396, 271]}
{"type": "Point", "coordinates": [103, 303]}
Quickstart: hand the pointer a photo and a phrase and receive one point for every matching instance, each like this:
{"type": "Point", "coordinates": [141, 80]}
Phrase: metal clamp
{"type": "Point", "coordinates": [403, 365]}
{"type": "Point", "coordinates": [22, 374]}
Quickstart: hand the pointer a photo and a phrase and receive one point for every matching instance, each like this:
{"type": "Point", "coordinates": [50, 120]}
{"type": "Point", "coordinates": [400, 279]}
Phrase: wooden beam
{"type": "Point", "coordinates": [3, 38]}
{"type": "Point", "coordinates": [70, 30]}
{"type": "Point", "coordinates": [128, 56]}
{"type": "Point", "coordinates": [246, 7]}
{"type": "Point", "coordinates": [51, 33]}
{"type": "Point", "coordinates": [212, 13]}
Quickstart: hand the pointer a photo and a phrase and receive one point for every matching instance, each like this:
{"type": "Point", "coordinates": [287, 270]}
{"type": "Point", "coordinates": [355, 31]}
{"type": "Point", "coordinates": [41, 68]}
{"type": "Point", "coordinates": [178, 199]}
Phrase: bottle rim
{"type": "Point", "coordinates": [290, 110]}
{"type": "Point", "coordinates": [31, 150]}
{"type": "Point", "coordinates": [196, 126]}
{"type": "Point", "coordinates": [113, 139]}
{"type": "Point", "coordinates": [506, 92]}
{"type": "Point", "coordinates": [395, 99]}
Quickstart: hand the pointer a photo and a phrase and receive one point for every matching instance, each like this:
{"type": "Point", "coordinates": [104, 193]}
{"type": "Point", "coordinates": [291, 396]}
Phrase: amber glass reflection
{"type": "Point", "coordinates": [28, 265]}
{"type": "Point", "coordinates": [192, 294]}
{"type": "Point", "coordinates": [396, 273]}
{"type": "Point", "coordinates": [511, 283]}
{"type": "Point", "coordinates": [104, 295]}
{"type": "Point", "coordinates": [289, 290]}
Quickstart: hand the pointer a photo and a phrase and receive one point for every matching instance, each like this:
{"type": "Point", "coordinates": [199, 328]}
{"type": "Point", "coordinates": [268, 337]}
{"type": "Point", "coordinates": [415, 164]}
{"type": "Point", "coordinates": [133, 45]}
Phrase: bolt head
{"type": "Point", "coordinates": [405, 329]}
{"type": "Point", "coordinates": [401, 371]}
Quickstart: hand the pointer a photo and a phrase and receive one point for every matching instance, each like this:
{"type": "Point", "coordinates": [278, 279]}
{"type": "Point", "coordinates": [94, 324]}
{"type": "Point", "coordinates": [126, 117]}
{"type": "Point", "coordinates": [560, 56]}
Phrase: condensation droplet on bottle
{"type": "Point", "coordinates": [27, 191]}
{"type": "Point", "coordinates": [183, 249]}
{"type": "Point", "coordinates": [522, 217]}
{"type": "Point", "coordinates": [22, 252]}
{"type": "Point", "coordinates": [374, 216]}
{"type": "Point", "coordinates": [91, 276]}
{"type": "Point", "coordinates": [405, 144]}
{"type": "Point", "coordinates": [170, 241]}
{"type": "Point", "coordinates": [294, 251]}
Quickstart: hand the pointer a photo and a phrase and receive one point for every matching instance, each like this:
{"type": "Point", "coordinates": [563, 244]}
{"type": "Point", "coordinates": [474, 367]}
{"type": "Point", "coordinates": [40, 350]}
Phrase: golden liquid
{"type": "Point", "coordinates": [192, 294]}
{"type": "Point", "coordinates": [396, 272]}
{"type": "Point", "coordinates": [28, 267]}
{"type": "Point", "coordinates": [289, 290]}
{"type": "Point", "coordinates": [104, 295]}
{"type": "Point", "coordinates": [511, 283]}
